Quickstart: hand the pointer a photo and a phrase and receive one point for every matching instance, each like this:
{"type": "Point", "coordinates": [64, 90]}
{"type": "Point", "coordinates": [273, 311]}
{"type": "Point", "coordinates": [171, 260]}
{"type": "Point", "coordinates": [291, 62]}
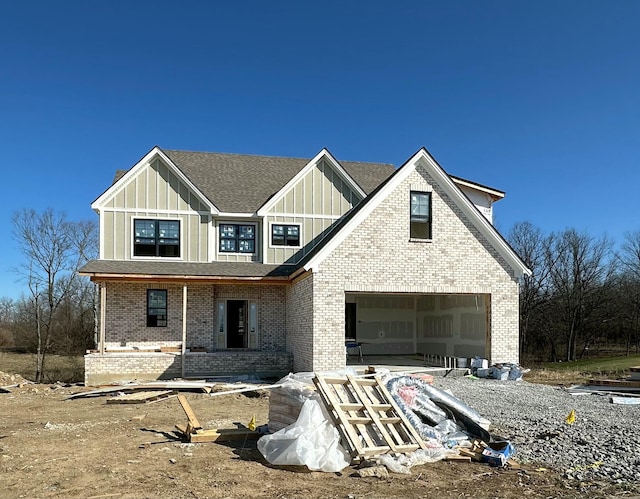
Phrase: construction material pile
{"type": "Point", "coordinates": [396, 421]}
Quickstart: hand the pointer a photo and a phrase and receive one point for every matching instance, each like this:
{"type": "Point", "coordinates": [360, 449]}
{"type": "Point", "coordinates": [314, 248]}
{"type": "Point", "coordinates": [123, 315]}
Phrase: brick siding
{"type": "Point", "coordinates": [378, 257]}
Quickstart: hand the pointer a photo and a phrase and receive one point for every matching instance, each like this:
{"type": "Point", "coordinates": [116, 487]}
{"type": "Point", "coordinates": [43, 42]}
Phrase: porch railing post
{"type": "Point", "coordinates": [184, 327]}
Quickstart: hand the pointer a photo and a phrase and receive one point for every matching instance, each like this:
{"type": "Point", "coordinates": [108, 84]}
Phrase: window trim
{"type": "Point", "coordinates": [285, 224]}
{"type": "Point", "coordinates": [237, 238]}
{"type": "Point", "coordinates": [418, 219]}
{"type": "Point", "coordinates": [166, 309]}
{"type": "Point", "coordinates": [159, 257]}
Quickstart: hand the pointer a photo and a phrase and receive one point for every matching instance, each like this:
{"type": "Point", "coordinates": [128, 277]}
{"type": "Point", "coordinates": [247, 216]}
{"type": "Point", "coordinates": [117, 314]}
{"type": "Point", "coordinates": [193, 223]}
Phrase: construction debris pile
{"type": "Point", "coordinates": [624, 392]}
{"type": "Point", "coordinates": [393, 421]}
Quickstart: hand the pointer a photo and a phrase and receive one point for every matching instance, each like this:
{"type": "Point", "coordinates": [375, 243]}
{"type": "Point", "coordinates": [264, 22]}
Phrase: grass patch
{"type": "Point", "coordinates": [64, 368]}
{"type": "Point", "coordinates": [582, 370]}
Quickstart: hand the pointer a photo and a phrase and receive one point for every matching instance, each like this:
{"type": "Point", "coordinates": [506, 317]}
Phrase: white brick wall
{"type": "Point", "coordinates": [379, 257]}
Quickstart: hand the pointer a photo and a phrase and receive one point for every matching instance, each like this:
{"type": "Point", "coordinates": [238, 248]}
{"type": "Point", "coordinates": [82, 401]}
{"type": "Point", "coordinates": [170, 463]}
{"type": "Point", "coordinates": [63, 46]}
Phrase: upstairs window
{"type": "Point", "coordinates": [156, 238]}
{"type": "Point", "coordinates": [156, 308]}
{"type": "Point", "coordinates": [285, 235]}
{"type": "Point", "coordinates": [420, 215]}
{"type": "Point", "coordinates": [236, 238]}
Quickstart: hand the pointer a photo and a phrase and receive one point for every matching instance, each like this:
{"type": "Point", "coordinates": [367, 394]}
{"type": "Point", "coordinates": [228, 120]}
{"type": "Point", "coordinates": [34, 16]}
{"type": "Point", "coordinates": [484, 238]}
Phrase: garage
{"type": "Point", "coordinates": [455, 325]}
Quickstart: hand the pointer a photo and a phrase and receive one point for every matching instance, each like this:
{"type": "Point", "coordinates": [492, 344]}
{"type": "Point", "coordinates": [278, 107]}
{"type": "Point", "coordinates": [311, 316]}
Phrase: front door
{"type": "Point", "coordinates": [237, 334]}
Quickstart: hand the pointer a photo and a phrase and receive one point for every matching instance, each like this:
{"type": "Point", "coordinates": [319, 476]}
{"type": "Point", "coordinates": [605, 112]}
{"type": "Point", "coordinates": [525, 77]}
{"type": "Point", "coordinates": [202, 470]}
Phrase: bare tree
{"type": "Point", "coordinates": [7, 317]}
{"type": "Point", "coordinates": [46, 242]}
{"type": "Point", "coordinates": [85, 239]}
{"type": "Point", "coordinates": [533, 247]}
{"type": "Point", "coordinates": [630, 266]}
{"type": "Point", "coordinates": [581, 275]}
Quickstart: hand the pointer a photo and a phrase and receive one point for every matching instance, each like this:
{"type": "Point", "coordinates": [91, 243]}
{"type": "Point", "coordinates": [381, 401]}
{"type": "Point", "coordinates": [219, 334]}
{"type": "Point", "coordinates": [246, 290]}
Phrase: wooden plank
{"type": "Point", "coordinates": [152, 385]}
{"type": "Point", "coordinates": [193, 420]}
{"type": "Point", "coordinates": [365, 420]}
{"type": "Point", "coordinates": [223, 435]}
{"type": "Point", "coordinates": [615, 382]}
{"type": "Point", "coordinates": [142, 397]}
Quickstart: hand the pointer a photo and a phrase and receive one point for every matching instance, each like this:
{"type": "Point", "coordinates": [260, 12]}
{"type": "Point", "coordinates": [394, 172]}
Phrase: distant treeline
{"type": "Point", "coordinates": [583, 294]}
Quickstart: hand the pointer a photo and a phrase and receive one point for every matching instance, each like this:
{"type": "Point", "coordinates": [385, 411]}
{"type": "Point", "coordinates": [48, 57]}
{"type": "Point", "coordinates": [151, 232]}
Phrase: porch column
{"type": "Point", "coordinates": [103, 315]}
{"type": "Point", "coordinates": [184, 326]}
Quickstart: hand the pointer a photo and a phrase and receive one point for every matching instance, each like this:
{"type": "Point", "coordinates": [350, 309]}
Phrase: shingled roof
{"type": "Point", "coordinates": [183, 270]}
{"type": "Point", "coordinates": [240, 183]}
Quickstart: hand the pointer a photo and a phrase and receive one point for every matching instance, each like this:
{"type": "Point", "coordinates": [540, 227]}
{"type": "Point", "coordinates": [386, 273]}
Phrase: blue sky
{"type": "Point", "coordinates": [536, 98]}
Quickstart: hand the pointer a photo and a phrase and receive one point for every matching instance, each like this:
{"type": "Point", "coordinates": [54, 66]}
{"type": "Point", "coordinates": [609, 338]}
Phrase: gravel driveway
{"type": "Point", "coordinates": [604, 441]}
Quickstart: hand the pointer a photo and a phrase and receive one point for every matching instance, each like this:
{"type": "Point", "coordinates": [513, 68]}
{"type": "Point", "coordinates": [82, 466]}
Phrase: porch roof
{"type": "Point", "coordinates": [251, 271]}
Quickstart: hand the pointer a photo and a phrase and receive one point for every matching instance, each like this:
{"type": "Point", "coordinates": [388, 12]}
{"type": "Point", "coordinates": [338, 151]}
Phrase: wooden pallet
{"type": "Point", "coordinates": [368, 419]}
{"type": "Point", "coordinates": [142, 397]}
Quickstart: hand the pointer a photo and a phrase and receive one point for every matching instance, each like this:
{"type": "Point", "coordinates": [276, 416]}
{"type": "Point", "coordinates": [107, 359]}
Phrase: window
{"type": "Point", "coordinates": [285, 235]}
{"type": "Point", "coordinates": [156, 308]}
{"type": "Point", "coordinates": [236, 238]}
{"type": "Point", "coordinates": [420, 215]}
{"type": "Point", "coordinates": [156, 238]}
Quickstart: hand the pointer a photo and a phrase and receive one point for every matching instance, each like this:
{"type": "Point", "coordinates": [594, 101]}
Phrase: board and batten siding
{"type": "Point", "coordinates": [156, 193]}
{"type": "Point", "coordinates": [314, 202]}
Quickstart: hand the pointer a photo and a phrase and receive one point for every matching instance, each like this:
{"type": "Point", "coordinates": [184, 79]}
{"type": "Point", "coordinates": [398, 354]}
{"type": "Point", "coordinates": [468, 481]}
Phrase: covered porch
{"type": "Point", "coordinates": [162, 328]}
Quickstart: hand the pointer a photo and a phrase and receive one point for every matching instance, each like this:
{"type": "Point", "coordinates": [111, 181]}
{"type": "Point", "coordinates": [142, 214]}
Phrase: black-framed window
{"type": "Point", "coordinates": [237, 238]}
{"type": "Point", "coordinates": [285, 235]}
{"type": "Point", "coordinates": [156, 308]}
{"type": "Point", "coordinates": [420, 215]}
{"type": "Point", "coordinates": [156, 238]}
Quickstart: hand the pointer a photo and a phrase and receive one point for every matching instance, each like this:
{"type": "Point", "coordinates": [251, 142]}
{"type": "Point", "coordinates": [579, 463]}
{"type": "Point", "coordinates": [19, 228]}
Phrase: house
{"type": "Point", "coordinates": [223, 263]}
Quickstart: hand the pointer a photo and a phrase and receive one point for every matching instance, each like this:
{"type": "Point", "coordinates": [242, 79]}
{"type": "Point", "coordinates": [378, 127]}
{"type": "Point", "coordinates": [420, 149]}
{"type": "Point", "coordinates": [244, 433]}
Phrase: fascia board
{"type": "Point", "coordinates": [492, 192]}
{"type": "Point", "coordinates": [378, 197]}
{"type": "Point", "coordinates": [322, 154]}
{"type": "Point", "coordinates": [127, 177]}
{"type": "Point", "coordinates": [223, 214]}
{"type": "Point", "coordinates": [468, 208]}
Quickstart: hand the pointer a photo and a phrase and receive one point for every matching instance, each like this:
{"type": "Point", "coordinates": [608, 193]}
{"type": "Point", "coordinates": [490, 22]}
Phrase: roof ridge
{"type": "Point", "coordinates": [270, 156]}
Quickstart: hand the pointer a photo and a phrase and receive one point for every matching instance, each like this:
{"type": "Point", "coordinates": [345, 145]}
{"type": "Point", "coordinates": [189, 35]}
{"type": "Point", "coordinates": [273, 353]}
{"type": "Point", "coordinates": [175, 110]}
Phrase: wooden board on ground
{"type": "Point", "coordinates": [615, 382]}
{"type": "Point", "coordinates": [147, 397]}
{"type": "Point", "coordinates": [368, 419]}
{"type": "Point", "coordinates": [151, 385]}
{"type": "Point", "coordinates": [218, 435]}
{"type": "Point", "coordinates": [194, 433]}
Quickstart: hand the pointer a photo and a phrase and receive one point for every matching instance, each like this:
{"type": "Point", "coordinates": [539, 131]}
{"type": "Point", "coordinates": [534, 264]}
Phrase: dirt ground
{"type": "Point", "coordinates": [87, 448]}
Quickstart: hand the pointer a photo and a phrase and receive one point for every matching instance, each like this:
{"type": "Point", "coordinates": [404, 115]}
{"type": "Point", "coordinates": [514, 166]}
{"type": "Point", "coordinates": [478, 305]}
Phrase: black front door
{"type": "Point", "coordinates": [237, 324]}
